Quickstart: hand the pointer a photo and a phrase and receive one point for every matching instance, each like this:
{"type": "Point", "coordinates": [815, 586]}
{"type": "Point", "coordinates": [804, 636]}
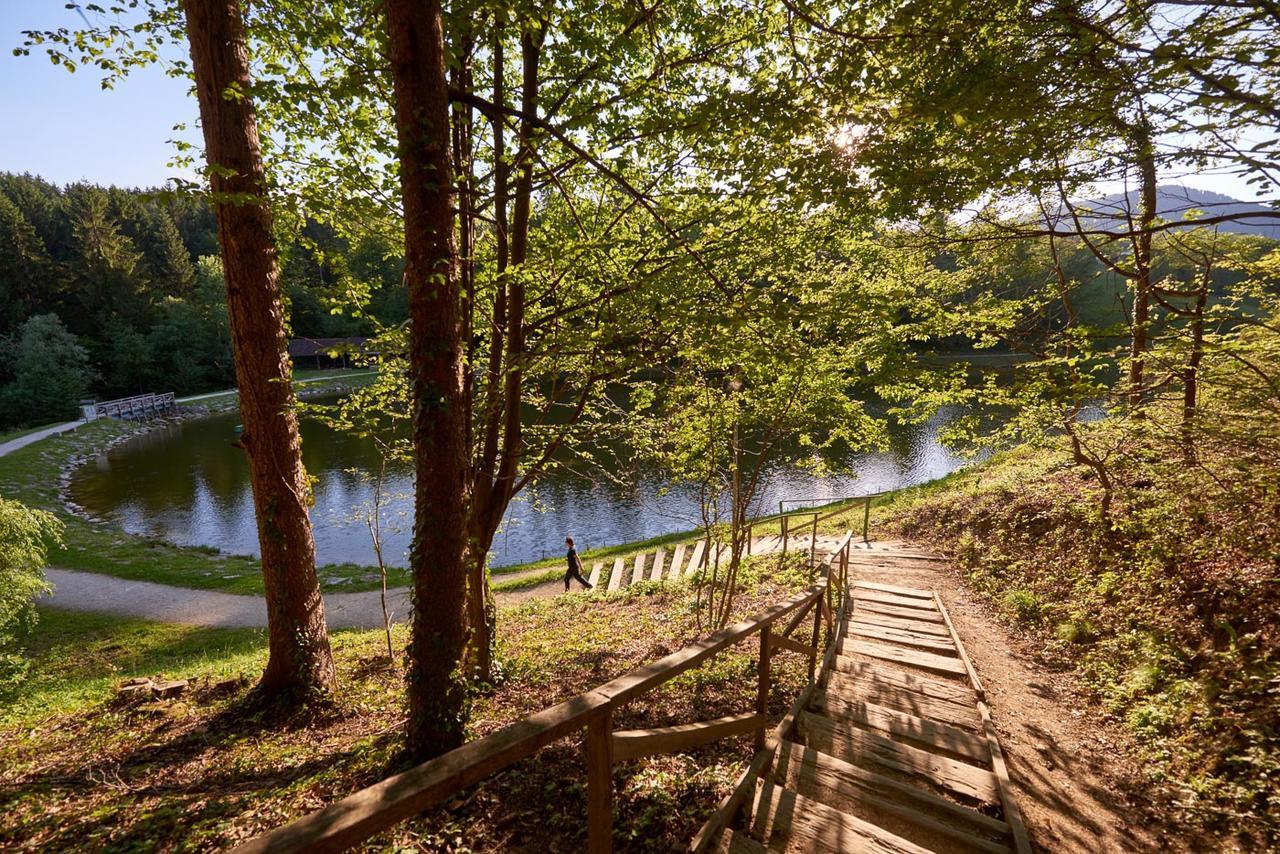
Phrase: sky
{"type": "Point", "coordinates": [64, 127]}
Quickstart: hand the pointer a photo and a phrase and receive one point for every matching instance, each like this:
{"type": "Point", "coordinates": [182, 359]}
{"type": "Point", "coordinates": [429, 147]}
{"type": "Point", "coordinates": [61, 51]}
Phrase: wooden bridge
{"type": "Point", "coordinates": [138, 406]}
{"type": "Point", "coordinates": [888, 748]}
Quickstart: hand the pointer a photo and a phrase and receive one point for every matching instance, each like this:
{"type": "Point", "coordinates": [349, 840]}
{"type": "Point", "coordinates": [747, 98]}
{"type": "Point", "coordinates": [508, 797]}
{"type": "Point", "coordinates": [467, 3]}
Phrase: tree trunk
{"type": "Point", "coordinates": [437, 696]}
{"type": "Point", "coordinates": [299, 665]}
{"type": "Point", "coordinates": [1142, 263]}
{"type": "Point", "coordinates": [1191, 374]}
{"type": "Point", "coordinates": [499, 487]}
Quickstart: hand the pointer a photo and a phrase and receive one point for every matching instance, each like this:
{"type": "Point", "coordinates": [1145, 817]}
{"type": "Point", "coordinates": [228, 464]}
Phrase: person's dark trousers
{"type": "Point", "coordinates": [572, 572]}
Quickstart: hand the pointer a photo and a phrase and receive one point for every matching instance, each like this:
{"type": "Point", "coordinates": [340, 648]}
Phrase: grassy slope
{"type": "Point", "coordinates": [78, 769]}
{"type": "Point", "coordinates": [1170, 616]}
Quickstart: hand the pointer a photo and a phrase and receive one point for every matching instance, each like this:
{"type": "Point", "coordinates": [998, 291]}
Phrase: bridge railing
{"type": "Point", "coordinates": [138, 406]}
{"type": "Point", "coordinates": [359, 816]}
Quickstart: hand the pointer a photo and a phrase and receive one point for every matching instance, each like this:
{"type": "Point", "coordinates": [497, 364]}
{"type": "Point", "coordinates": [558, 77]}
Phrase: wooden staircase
{"type": "Point", "coordinates": [891, 750]}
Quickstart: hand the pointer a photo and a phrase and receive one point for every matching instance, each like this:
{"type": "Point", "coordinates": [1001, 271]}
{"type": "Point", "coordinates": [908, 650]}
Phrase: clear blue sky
{"type": "Point", "coordinates": [65, 127]}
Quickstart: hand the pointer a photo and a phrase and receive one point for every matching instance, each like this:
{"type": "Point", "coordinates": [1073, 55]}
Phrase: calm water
{"type": "Point", "coordinates": [187, 484]}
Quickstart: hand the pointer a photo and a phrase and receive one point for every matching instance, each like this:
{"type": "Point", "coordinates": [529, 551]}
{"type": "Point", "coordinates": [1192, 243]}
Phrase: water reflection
{"type": "Point", "coordinates": [187, 483]}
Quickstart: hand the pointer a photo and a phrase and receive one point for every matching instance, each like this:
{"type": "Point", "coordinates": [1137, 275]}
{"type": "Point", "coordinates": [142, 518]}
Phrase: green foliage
{"type": "Point", "coordinates": [25, 538]}
{"type": "Point", "coordinates": [50, 372]}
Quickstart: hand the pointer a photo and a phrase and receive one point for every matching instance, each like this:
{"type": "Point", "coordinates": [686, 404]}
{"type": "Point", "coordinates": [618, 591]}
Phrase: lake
{"type": "Point", "coordinates": [187, 484]}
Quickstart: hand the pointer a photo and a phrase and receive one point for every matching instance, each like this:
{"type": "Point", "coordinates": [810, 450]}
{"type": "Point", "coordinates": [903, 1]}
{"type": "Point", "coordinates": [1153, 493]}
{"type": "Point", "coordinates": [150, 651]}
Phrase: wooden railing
{"type": "Point", "coordinates": [820, 516]}
{"type": "Point", "coordinates": [359, 816]}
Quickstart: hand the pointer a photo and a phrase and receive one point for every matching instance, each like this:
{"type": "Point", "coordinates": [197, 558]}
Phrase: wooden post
{"type": "Point", "coordinates": [762, 686]}
{"type": "Point", "coordinates": [817, 627]}
{"type": "Point", "coordinates": [785, 529]}
{"type": "Point", "coordinates": [600, 783]}
{"type": "Point", "coordinates": [813, 541]}
{"type": "Point", "coordinates": [866, 518]}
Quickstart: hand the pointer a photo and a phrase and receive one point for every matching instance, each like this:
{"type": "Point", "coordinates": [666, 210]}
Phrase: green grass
{"type": "Point", "coordinates": [78, 658]}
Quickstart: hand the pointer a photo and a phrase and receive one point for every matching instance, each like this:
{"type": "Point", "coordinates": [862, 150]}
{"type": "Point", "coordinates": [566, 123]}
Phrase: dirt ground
{"type": "Point", "coordinates": [1075, 775]}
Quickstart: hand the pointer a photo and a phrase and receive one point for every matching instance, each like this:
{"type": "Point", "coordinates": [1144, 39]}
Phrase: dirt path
{"type": "Point", "coordinates": [1070, 770]}
{"type": "Point", "coordinates": [106, 594]}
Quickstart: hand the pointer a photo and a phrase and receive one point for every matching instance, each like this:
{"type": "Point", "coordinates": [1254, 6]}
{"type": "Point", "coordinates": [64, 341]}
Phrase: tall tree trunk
{"type": "Point", "coordinates": [299, 665]}
{"type": "Point", "coordinates": [437, 696]}
{"type": "Point", "coordinates": [1147, 208]}
{"type": "Point", "coordinates": [489, 508]}
{"type": "Point", "coordinates": [1191, 373]}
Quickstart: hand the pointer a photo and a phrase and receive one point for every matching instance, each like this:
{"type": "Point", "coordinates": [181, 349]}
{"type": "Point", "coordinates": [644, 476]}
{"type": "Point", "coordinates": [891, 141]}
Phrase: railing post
{"type": "Point", "coordinates": [813, 541]}
{"type": "Point", "coordinates": [866, 518]}
{"type": "Point", "coordinates": [762, 686]}
{"type": "Point", "coordinates": [600, 783]}
{"type": "Point", "coordinates": [786, 526]}
{"type": "Point", "coordinates": [817, 627]}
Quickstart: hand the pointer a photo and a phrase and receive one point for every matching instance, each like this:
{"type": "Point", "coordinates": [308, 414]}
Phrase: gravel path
{"type": "Point", "coordinates": [106, 594]}
{"type": "Point", "coordinates": [22, 441]}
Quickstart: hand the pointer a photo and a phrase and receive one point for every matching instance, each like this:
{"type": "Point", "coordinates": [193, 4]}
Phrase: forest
{"type": "Point", "coordinates": [724, 237]}
{"type": "Point", "coordinates": [134, 281]}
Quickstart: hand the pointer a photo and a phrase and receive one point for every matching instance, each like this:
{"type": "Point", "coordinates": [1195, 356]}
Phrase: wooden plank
{"type": "Point", "coordinates": [842, 786]}
{"type": "Point", "coordinates": [600, 783]}
{"type": "Point", "coordinates": [897, 679]}
{"type": "Point", "coordinates": [615, 577]}
{"type": "Point", "coordinates": [920, 627]}
{"type": "Point", "coordinates": [778, 642]}
{"type": "Point", "coordinates": [860, 747]}
{"type": "Point", "coordinates": [637, 574]}
{"type": "Point", "coordinates": [634, 743]}
{"type": "Point", "coordinates": [595, 573]}
{"type": "Point", "coordinates": [695, 562]}
{"type": "Point", "coordinates": [901, 636]}
{"type": "Point", "coordinates": [904, 725]}
{"type": "Point", "coordinates": [738, 843]}
{"type": "Point", "coordinates": [788, 821]}
{"type": "Point", "coordinates": [845, 688]}
{"type": "Point", "coordinates": [964, 656]}
{"type": "Point", "coordinates": [659, 558]}
{"type": "Point", "coordinates": [909, 602]}
{"type": "Point", "coordinates": [863, 605]}
{"type": "Point", "coordinates": [1021, 842]}
{"type": "Point", "coordinates": [914, 592]}
{"type": "Point", "coordinates": [903, 655]}
{"type": "Point", "coordinates": [676, 560]}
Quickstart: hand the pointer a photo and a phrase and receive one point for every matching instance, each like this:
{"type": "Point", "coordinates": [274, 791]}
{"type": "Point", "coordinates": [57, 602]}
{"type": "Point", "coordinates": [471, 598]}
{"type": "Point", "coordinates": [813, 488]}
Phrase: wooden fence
{"type": "Point", "coordinates": [359, 816]}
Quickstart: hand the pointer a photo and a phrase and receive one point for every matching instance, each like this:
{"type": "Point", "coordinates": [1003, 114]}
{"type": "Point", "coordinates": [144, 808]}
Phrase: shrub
{"type": "Point", "coordinates": [25, 536]}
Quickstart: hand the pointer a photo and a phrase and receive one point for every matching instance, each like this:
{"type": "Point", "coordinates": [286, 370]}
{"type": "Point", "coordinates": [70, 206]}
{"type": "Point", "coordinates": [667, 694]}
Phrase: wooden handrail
{"type": "Point", "coordinates": [356, 817]}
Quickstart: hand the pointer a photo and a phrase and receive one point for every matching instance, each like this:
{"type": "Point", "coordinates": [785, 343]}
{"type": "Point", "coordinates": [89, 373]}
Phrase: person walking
{"type": "Point", "coordinates": [575, 567]}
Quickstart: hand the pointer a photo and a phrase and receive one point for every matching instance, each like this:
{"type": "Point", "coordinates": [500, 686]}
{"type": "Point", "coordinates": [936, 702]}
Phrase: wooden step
{"type": "Point", "coordinates": [615, 577]}
{"type": "Point", "coordinates": [930, 643]}
{"type": "Point", "coordinates": [895, 600]}
{"type": "Point", "coordinates": [900, 591]}
{"type": "Point", "coordinates": [847, 687]}
{"type": "Point", "coordinates": [850, 789]}
{"type": "Point", "coordinates": [867, 605]}
{"type": "Point", "coordinates": [737, 842]}
{"type": "Point", "coordinates": [790, 822]}
{"type": "Point", "coordinates": [868, 749]}
{"type": "Point", "coordinates": [903, 655]}
{"type": "Point", "coordinates": [904, 726]}
{"type": "Point", "coordinates": [923, 627]}
{"type": "Point", "coordinates": [895, 677]}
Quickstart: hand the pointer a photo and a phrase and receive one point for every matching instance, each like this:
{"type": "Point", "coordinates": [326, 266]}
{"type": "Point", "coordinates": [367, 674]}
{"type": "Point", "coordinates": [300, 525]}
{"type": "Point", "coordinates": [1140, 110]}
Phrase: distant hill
{"type": "Point", "coordinates": [1174, 201]}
